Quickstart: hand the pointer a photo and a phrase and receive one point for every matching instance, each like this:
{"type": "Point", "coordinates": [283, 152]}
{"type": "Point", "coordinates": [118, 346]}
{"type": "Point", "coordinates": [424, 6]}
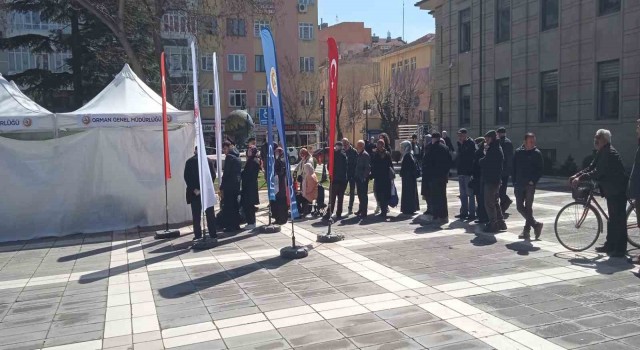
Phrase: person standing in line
{"type": "Point", "coordinates": [425, 189]}
{"type": "Point", "coordinates": [230, 188]}
{"type": "Point", "coordinates": [381, 168]}
{"type": "Point", "coordinates": [464, 160]}
{"type": "Point", "coordinates": [387, 141]}
{"type": "Point", "coordinates": [476, 182]}
{"type": "Point", "coordinates": [633, 189]}
{"type": "Point", "coordinates": [279, 207]}
{"type": "Point", "coordinates": [361, 175]}
{"type": "Point", "coordinates": [409, 202]}
{"type": "Point", "coordinates": [507, 169]}
{"type": "Point", "coordinates": [192, 180]}
{"type": "Point", "coordinates": [417, 149]}
{"type": "Point", "coordinates": [249, 194]}
{"type": "Point", "coordinates": [338, 182]}
{"type": "Point", "coordinates": [491, 165]}
{"type": "Point", "coordinates": [527, 171]}
{"type": "Point", "coordinates": [352, 156]}
{"type": "Point", "coordinates": [608, 170]}
{"type": "Point", "coordinates": [439, 161]}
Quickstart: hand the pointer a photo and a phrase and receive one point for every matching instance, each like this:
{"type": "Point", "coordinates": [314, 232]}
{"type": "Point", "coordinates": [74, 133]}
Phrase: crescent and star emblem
{"type": "Point", "coordinates": [333, 71]}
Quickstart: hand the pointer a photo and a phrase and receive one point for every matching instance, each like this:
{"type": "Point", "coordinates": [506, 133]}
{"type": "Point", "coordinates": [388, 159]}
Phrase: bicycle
{"type": "Point", "coordinates": [578, 224]}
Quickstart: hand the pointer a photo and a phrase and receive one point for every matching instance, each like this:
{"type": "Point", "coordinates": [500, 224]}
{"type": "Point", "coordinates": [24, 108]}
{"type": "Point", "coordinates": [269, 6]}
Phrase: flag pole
{"type": "Point", "coordinates": [167, 164]}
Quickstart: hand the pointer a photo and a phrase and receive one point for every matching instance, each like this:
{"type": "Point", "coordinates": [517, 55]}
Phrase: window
{"type": "Point", "coordinates": [465, 30]}
{"type": "Point", "coordinates": [207, 98]}
{"type": "Point", "coordinates": [413, 63]}
{"type": "Point", "coordinates": [550, 12]}
{"type": "Point", "coordinates": [236, 63]}
{"type": "Point", "coordinates": [503, 20]}
{"type": "Point", "coordinates": [206, 62]}
{"type": "Point", "coordinates": [175, 22]}
{"type": "Point", "coordinates": [393, 68]}
{"type": "Point", "coordinates": [308, 98]}
{"type": "Point", "coordinates": [261, 98]}
{"type": "Point", "coordinates": [210, 24]}
{"type": "Point", "coordinates": [236, 27]}
{"type": "Point", "coordinates": [238, 98]}
{"type": "Point", "coordinates": [22, 59]}
{"type": "Point", "coordinates": [33, 21]}
{"type": "Point", "coordinates": [260, 63]}
{"type": "Point", "coordinates": [305, 31]}
{"type": "Point", "coordinates": [606, 7]}
{"type": "Point", "coordinates": [400, 66]}
{"type": "Point", "coordinates": [549, 96]}
{"type": "Point", "coordinates": [465, 105]}
{"type": "Point", "coordinates": [502, 101]}
{"type": "Point", "coordinates": [179, 60]}
{"type": "Point", "coordinates": [608, 89]}
{"type": "Point", "coordinates": [258, 25]}
{"type": "Point", "coordinates": [307, 64]}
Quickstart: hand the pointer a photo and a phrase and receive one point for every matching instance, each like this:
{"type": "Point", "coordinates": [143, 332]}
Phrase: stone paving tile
{"type": "Point", "coordinates": [578, 339]}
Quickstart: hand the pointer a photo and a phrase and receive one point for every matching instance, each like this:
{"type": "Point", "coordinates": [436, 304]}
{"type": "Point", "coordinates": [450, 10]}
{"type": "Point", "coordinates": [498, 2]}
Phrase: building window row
{"type": "Point", "coordinates": [32, 21]}
{"type": "Point", "coordinates": [22, 59]}
{"type": "Point", "coordinates": [237, 98]}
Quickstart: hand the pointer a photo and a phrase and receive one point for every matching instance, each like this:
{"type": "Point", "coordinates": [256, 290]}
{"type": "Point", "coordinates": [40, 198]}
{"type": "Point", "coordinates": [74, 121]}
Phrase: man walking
{"type": "Point", "coordinates": [439, 163]}
{"type": "Point", "coordinates": [607, 169]}
{"type": "Point", "coordinates": [527, 171]}
{"type": "Point", "coordinates": [466, 151]}
{"type": "Point", "coordinates": [352, 155]}
{"type": "Point", "coordinates": [192, 180]}
{"type": "Point", "coordinates": [491, 166]}
{"type": "Point", "coordinates": [338, 181]}
{"type": "Point", "coordinates": [361, 175]}
{"type": "Point", "coordinates": [230, 188]}
{"type": "Point", "coordinates": [507, 151]}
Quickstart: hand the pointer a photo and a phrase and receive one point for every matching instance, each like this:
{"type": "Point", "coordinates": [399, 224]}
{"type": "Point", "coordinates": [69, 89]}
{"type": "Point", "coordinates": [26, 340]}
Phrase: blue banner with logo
{"type": "Point", "coordinates": [273, 86]}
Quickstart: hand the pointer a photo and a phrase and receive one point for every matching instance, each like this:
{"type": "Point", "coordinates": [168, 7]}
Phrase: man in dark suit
{"type": "Point", "coordinates": [507, 168]}
{"type": "Point", "coordinates": [361, 175]}
{"type": "Point", "coordinates": [491, 166]}
{"type": "Point", "coordinates": [230, 188]}
{"type": "Point", "coordinates": [352, 156]}
{"type": "Point", "coordinates": [338, 181]}
{"type": "Point", "coordinates": [192, 179]}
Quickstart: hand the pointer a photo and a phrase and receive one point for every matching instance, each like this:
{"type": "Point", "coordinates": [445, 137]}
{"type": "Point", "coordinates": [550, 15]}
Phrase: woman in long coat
{"type": "Point", "coordinates": [279, 207]}
{"type": "Point", "coordinates": [381, 168]}
{"type": "Point", "coordinates": [249, 198]}
{"type": "Point", "coordinates": [408, 172]}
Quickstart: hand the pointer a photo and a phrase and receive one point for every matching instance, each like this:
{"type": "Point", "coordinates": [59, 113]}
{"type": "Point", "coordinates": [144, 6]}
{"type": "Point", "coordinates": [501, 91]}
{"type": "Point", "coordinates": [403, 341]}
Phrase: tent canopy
{"type": "Point", "coordinates": [18, 113]}
{"type": "Point", "coordinates": [126, 101]}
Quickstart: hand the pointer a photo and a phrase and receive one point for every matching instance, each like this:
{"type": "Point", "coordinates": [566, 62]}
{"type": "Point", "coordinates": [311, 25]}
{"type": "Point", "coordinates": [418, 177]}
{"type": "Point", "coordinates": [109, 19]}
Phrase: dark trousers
{"type": "Point", "coordinates": [382, 192]}
{"type": "Point", "coordinates": [524, 203]}
{"type": "Point", "coordinates": [230, 210]}
{"type": "Point", "coordinates": [617, 224]}
{"type": "Point", "coordinates": [337, 193]}
{"type": "Point", "coordinates": [196, 214]}
{"type": "Point", "coordinates": [480, 209]}
{"type": "Point", "coordinates": [438, 194]}
{"type": "Point", "coordinates": [504, 198]}
{"type": "Point", "coordinates": [249, 213]}
{"type": "Point", "coordinates": [491, 204]}
{"type": "Point", "coordinates": [363, 196]}
{"type": "Point", "coordinates": [426, 184]}
{"type": "Point", "coordinates": [352, 192]}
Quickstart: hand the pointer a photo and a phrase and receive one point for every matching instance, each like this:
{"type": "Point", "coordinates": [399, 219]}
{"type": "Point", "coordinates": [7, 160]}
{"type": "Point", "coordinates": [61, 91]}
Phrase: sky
{"type": "Point", "coordinates": [379, 15]}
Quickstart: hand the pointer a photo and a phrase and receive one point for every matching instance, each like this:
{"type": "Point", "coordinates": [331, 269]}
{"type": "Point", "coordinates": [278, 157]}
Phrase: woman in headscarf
{"type": "Point", "coordinates": [279, 207]}
{"type": "Point", "coordinates": [308, 188]}
{"type": "Point", "coordinates": [387, 141]}
{"type": "Point", "coordinates": [409, 173]}
{"type": "Point", "coordinates": [249, 194]}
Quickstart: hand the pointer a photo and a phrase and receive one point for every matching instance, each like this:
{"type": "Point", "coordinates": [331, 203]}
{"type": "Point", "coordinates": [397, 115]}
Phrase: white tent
{"type": "Point", "coordinates": [20, 114]}
{"type": "Point", "coordinates": [105, 176]}
{"type": "Point", "coordinates": [127, 101]}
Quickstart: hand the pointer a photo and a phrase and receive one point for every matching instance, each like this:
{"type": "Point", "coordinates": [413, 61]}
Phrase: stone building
{"type": "Point", "coordinates": [559, 68]}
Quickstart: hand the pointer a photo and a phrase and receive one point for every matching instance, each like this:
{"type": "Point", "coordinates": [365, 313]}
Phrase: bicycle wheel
{"type": "Point", "coordinates": [578, 226]}
{"type": "Point", "coordinates": [632, 227]}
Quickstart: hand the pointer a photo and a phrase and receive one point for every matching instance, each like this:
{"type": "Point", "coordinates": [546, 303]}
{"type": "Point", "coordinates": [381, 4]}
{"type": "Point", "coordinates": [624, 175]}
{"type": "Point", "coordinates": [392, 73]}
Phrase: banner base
{"type": "Point", "coordinates": [329, 238]}
{"type": "Point", "coordinates": [295, 252]}
{"type": "Point", "coordinates": [269, 229]}
{"type": "Point", "coordinates": [166, 234]}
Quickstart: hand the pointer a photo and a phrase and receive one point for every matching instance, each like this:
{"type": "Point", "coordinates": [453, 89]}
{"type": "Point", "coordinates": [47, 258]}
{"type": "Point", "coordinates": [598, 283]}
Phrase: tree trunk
{"type": "Point", "coordinates": [76, 60]}
{"type": "Point", "coordinates": [159, 48]}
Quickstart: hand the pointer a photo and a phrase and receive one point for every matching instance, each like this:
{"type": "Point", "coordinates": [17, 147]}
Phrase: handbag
{"type": "Point", "coordinates": [393, 201]}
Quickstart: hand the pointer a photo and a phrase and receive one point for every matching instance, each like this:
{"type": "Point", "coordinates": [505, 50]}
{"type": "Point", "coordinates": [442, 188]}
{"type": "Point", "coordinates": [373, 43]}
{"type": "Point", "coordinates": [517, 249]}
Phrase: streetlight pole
{"type": "Point", "coordinates": [323, 141]}
{"type": "Point", "coordinates": [366, 120]}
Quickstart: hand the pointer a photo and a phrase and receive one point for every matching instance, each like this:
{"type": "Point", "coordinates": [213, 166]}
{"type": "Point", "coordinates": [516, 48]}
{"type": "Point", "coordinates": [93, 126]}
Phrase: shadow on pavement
{"type": "Point", "coordinates": [522, 247]}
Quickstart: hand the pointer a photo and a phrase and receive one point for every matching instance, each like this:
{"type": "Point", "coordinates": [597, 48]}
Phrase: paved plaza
{"type": "Point", "coordinates": [388, 285]}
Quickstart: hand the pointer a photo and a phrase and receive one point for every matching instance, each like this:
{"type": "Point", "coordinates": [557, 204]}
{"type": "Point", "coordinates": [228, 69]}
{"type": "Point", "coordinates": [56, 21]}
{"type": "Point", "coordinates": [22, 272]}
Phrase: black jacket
{"type": "Point", "coordinates": [527, 166]}
{"type": "Point", "coordinates": [448, 143]}
{"type": "Point", "coordinates": [192, 176]}
{"type": "Point", "coordinates": [438, 161]}
{"type": "Point", "coordinates": [339, 167]}
{"type": "Point", "coordinates": [491, 164]}
{"type": "Point", "coordinates": [352, 156]}
{"type": "Point", "coordinates": [464, 161]}
{"type": "Point", "coordinates": [250, 181]}
{"type": "Point", "coordinates": [380, 164]}
{"type": "Point", "coordinates": [607, 169]}
{"type": "Point", "coordinates": [231, 174]}
{"type": "Point", "coordinates": [633, 190]}
{"type": "Point", "coordinates": [363, 166]}
{"type": "Point", "coordinates": [507, 151]}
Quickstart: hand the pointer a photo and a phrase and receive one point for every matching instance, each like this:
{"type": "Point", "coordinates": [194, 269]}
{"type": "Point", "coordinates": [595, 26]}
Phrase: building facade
{"type": "Point", "coordinates": [559, 68]}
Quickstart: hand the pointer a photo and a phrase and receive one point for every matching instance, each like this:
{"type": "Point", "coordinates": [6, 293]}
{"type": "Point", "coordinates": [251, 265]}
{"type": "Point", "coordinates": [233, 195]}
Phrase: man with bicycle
{"type": "Point", "coordinates": [607, 169]}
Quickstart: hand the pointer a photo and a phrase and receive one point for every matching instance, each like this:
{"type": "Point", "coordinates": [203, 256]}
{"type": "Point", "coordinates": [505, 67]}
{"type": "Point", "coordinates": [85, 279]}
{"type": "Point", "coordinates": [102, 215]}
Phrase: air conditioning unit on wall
{"type": "Point", "coordinates": [302, 8]}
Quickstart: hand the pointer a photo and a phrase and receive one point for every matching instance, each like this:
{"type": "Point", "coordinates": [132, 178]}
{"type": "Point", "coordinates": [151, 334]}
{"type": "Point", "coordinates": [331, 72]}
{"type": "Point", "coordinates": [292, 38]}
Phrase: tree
{"type": "Point", "coordinates": [351, 83]}
{"type": "Point", "coordinates": [398, 98]}
{"type": "Point", "coordinates": [300, 94]}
